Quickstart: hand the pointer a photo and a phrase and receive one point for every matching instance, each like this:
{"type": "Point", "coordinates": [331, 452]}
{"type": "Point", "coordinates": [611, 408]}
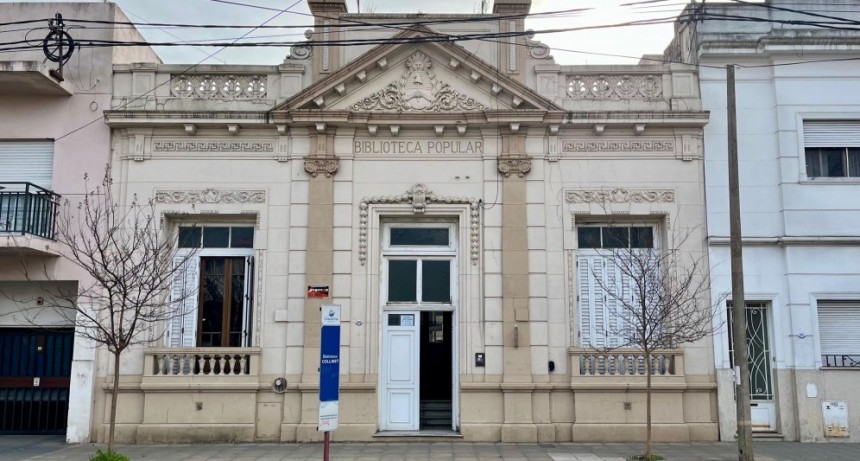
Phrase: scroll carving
{"type": "Point", "coordinates": [620, 196]}
{"type": "Point", "coordinates": [210, 196]}
{"type": "Point", "coordinates": [418, 90]}
{"type": "Point", "coordinates": [420, 197]}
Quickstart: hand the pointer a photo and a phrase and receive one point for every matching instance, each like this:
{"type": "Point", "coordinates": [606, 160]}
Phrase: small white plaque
{"type": "Point", "coordinates": [407, 320]}
{"type": "Point", "coordinates": [330, 315]}
{"type": "Point", "coordinates": [328, 416]}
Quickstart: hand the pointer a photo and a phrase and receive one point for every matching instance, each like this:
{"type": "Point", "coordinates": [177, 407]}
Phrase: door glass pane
{"type": "Point", "coordinates": [641, 237]}
{"type": "Point", "coordinates": [212, 302]}
{"type": "Point", "coordinates": [237, 293]}
{"type": "Point", "coordinates": [616, 237]}
{"type": "Point", "coordinates": [589, 237]}
{"type": "Point", "coordinates": [216, 237]}
{"type": "Point", "coordinates": [402, 277]}
{"type": "Point", "coordinates": [436, 281]}
{"type": "Point", "coordinates": [242, 237]}
{"type": "Point", "coordinates": [421, 236]}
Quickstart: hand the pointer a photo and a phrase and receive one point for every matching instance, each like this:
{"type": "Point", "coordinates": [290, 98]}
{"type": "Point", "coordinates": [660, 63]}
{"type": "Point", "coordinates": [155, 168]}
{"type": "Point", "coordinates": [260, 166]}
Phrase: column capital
{"type": "Point", "coordinates": [519, 165]}
{"type": "Point", "coordinates": [326, 164]}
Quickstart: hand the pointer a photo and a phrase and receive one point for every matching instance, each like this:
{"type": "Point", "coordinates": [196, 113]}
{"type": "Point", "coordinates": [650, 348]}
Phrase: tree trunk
{"type": "Point", "coordinates": [647, 403]}
{"type": "Point", "coordinates": [114, 394]}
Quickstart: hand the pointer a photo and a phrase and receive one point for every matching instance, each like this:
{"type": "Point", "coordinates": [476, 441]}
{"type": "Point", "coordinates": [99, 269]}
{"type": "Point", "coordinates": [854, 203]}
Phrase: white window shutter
{"type": "Point", "coordinates": [838, 325]}
{"type": "Point", "coordinates": [592, 300]}
{"type": "Point", "coordinates": [831, 133]}
{"type": "Point", "coordinates": [182, 327]}
{"type": "Point", "coordinates": [27, 161]}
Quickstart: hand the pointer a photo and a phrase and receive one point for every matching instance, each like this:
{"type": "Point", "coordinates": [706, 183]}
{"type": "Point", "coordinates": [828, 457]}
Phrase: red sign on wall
{"type": "Point", "coordinates": [318, 292]}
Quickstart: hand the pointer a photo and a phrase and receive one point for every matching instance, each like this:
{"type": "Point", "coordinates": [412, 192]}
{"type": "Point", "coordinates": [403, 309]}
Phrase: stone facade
{"type": "Point", "coordinates": [324, 155]}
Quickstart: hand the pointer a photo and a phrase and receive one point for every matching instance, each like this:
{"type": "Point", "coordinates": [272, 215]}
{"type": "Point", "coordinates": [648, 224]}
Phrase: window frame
{"type": "Point", "coordinates": [587, 253]}
{"type": "Point", "coordinates": [419, 253]}
{"type": "Point", "coordinates": [801, 118]}
{"type": "Point", "coordinates": [249, 308]}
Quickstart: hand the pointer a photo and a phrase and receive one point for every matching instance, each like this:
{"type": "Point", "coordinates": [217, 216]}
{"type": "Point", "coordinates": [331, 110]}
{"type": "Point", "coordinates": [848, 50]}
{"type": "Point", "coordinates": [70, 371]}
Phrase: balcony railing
{"type": "Point", "coordinates": [201, 362]}
{"type": "Point", "coordinates": [840, 361]}
{"type": "Point", "coordinates": [625, 363]}
{"type": "Point", "coordinates": [26, 208]}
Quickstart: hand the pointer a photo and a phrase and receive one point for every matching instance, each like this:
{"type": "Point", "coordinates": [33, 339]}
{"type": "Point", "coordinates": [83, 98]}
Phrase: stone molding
{"type": "Point", "coordinates": [211, 145]}
{"type": "Point", "coordinates": [418, 90]}
{"type": "Point", "coordinates": [210, 196]}
{"type": "Point", "coordinates": [620, 195]}
{"type": "Point", "coordinates": [519, 165]}
{"type": "Point", "coordinates": [619, 145]}
{"type": "Point", "coordinates": [326, 165]}
{"type": "Point", "coordinates": [647, 86]}
{"type": "Point", "coordinates": [420, 197]}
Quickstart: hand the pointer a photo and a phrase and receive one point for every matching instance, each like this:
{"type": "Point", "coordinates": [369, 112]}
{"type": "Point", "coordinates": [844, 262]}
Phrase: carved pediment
{"type": "Point", "coordinates": [418, 90]}
{"type": "Point", "coordinates": [435, 77]}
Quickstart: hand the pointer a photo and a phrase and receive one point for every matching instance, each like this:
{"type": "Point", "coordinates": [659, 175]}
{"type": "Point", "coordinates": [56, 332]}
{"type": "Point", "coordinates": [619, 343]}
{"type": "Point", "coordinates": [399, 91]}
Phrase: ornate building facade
{"type": "Point", "coordinates": [436, 192]}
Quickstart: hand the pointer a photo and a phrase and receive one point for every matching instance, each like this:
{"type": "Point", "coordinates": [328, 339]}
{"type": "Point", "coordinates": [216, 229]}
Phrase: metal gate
{"type": "Point", "coordinates": [35, 369]}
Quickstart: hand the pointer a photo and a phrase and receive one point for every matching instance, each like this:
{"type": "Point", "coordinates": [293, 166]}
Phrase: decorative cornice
{"type": "Point", "coordinates": [520, 165]}
{"type": "Point", "coordinates": [203, 145]}
{"type": "Point", "coordinates": [326, 165]}
{"type": "Point", "coordinates": [210, 196]}
{"type": "Point", "coordinates": [620, 196]}
{"type": "Point", "coordinates": [420, 196]}
{"type": "Point", "coordinates": [418, 90]}
{"type": "Point", "coordinates": [619, 145]}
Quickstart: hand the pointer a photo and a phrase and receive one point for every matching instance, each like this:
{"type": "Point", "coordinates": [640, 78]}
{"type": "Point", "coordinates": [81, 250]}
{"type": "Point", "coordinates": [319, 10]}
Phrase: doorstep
{"type": "Point", "coordinates": [424, 436]}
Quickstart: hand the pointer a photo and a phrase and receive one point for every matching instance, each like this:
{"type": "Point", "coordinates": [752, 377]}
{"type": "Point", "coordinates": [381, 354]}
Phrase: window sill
{"type": "Point", "coordinates": [831, 181]}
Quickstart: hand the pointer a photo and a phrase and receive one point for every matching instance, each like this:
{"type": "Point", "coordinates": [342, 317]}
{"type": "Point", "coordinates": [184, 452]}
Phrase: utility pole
{"type": "Point", "coordinates": [739, 330]}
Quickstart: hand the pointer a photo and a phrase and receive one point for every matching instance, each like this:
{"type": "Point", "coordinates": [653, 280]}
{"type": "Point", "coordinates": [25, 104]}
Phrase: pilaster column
{"type": "Point", "coordinates": [514, 165]}
{"type": "Point", "coordinates": [321, 165]}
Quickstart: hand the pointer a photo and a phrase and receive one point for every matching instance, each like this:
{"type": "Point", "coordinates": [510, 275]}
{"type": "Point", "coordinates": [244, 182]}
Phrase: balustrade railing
{"type": "Point", "coordinates": [840, 361]}
{"type": "Point", "coordinates": [626, 363]}
{"type": "Point", "coordinates": [190, 362]}
{"type": "Point", "coordinates": [26, 208]}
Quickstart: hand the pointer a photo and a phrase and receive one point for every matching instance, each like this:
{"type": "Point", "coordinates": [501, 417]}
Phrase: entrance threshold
{"type": "Point", "coordinates": [421, 434]}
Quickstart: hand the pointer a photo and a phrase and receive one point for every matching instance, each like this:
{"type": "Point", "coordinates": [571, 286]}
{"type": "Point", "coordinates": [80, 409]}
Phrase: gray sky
{"type": "Point", "coordinates": [630, 41]}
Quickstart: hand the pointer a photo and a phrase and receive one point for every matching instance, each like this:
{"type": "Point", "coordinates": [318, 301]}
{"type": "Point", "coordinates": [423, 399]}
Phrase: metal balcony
{"type": "Point", "coordinates": [27, 209]}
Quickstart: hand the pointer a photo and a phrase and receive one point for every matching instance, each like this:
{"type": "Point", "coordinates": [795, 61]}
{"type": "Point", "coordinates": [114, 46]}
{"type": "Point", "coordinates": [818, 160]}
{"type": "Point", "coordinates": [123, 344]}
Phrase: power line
{"type": "Point", "coordinates": [172, 77]}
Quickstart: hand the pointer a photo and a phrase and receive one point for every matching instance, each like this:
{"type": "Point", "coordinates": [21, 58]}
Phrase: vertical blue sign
{"type": "Point", "coordinates": [329, 368]}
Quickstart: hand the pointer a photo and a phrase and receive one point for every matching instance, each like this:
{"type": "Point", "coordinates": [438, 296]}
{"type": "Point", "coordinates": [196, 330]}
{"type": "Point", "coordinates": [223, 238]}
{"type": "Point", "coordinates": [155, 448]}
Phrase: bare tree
{"type": "Point", "coordinates": [129, 265]}
{"type": "Point", "coordinates": [659, 299]}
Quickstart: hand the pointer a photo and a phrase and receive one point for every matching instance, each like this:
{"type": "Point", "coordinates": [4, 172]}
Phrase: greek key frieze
{"type": "Point", "coordinates": [619, 145]}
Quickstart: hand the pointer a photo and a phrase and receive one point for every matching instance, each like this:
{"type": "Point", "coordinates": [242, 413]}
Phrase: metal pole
{"type": "Point", "coordinates": [739, 333]}
{"type": "Point", "coordinates": [326, 441]}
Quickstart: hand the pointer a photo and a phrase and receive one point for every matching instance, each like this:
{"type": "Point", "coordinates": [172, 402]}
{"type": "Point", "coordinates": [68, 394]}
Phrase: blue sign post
{"type": "Point", "coordinates": [329, 373]}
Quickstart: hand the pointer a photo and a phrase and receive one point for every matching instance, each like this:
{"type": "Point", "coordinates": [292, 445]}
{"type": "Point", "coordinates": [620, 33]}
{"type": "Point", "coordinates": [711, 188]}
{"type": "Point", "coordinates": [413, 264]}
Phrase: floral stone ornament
{"type": "Point", "coordinates": [418, 90]}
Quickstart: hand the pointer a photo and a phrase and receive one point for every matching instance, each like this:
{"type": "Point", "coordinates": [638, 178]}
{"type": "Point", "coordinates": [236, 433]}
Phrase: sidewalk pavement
{"type": "Point", "coordinates": [445, 451]}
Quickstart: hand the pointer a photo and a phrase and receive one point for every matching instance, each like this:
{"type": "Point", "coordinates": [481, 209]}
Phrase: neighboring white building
{"type": "Point", "coordinates": [46, 147]}
{"type": "Point", "coordinates": [799, 144]}
{"type": "Point", "coordinates": [438, 191]}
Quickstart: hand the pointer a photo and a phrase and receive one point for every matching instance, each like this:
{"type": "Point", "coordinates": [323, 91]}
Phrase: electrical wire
{"type": "Point", "coordinates": [172, 77]}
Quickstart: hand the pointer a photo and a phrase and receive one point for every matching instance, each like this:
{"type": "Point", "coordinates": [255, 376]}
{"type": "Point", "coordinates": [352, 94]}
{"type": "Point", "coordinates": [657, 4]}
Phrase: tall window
{"type": "Point", "coordinates": [419, 260]}
{"type": "Point", "coordinates": [832, 148]}
{"type": "Point", "coordinates": [601, 317]}
{"type": "Point", "coordinates": [216, 288]}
